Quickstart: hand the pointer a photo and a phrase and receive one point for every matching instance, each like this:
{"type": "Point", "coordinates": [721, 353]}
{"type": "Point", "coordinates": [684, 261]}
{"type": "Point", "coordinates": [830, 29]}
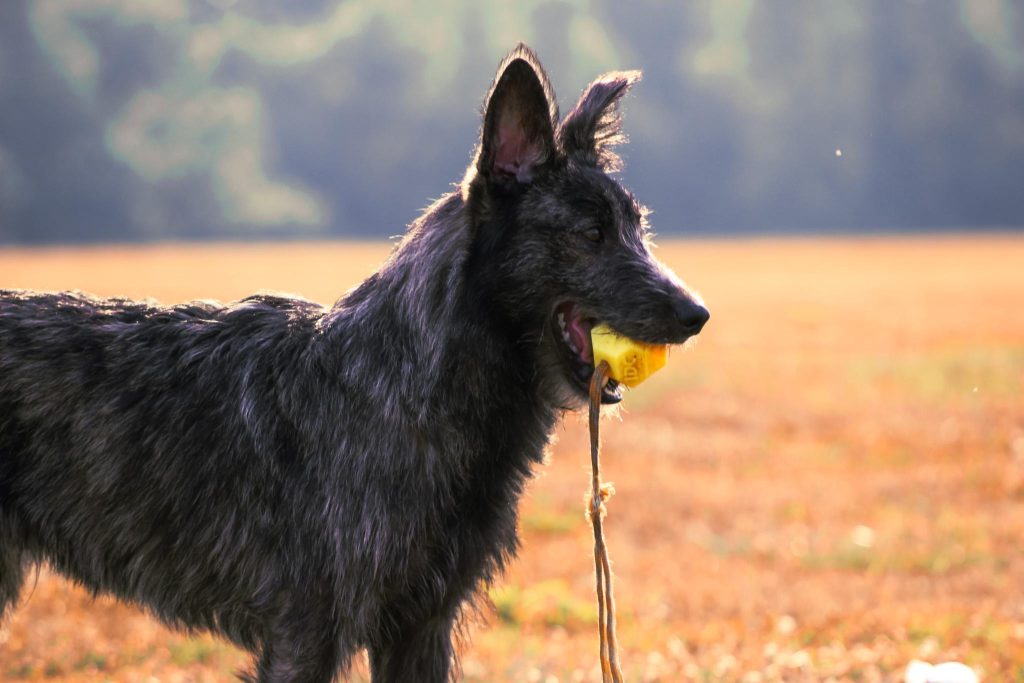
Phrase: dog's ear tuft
{"type": "Point", "coordinates": [594, 126]}
{"type": "Point", "coordinates": [517, 138]}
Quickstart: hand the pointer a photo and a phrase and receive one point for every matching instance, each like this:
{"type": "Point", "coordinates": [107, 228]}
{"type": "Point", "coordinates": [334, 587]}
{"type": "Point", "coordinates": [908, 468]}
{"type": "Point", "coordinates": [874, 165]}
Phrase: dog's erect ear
{"type": "Point", "coordinates": [517, 138]}
{"type": "Point", "coordinates": [594, 125]}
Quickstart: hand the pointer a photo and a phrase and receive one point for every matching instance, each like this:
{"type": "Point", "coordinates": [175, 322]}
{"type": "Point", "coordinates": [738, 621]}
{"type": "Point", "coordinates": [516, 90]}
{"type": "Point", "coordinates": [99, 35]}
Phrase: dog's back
{"type": "Point", "coordinates": [125, 429]}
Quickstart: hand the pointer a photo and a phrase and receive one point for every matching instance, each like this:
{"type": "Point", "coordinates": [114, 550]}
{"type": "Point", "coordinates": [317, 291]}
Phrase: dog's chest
{"type": "Point", "coordinates": [484, 513]}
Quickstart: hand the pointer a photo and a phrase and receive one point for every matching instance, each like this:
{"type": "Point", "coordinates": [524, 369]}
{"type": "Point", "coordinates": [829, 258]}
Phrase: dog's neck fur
{"type": "Point", "coordinates": [424, 288]}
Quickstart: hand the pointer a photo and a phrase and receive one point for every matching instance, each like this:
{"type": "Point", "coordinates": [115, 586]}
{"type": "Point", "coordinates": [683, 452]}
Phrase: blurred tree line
{"type": "Point", "coordinates": [127, 120]}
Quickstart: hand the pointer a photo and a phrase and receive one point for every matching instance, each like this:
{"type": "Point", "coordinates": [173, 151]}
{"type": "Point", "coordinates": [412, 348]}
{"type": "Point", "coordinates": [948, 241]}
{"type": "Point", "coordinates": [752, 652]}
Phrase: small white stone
{"type": "Point", "coordinates": [863, 536]}
{"type": "Point", "coordinates": [947, 672]}
{"type": "Point", "coordinates": [785, 625]}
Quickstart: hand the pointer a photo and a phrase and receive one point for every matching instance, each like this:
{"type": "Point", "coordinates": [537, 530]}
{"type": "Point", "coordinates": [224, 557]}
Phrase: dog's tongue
{"type": "Point", "coordinates": [579, 331]}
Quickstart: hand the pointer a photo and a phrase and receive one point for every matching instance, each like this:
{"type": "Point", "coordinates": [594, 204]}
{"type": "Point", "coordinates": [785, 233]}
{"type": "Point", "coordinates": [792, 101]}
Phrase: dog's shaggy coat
{"type": "Point", "coordinates": [308, 481]}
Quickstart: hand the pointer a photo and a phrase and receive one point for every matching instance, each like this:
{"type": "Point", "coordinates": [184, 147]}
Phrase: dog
{"type": "Point", "coordinates": [307, 481]}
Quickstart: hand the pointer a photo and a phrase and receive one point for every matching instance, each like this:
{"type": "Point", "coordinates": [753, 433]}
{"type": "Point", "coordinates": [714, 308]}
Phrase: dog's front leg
{"type": "Point", "coordinates": [300, 646]}
{"type": "Point", "coordinates": [421, 653]}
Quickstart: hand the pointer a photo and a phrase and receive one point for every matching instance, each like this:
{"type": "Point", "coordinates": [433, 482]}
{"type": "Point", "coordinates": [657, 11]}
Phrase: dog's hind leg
{"type": "Point", "coordinates": [422, 654]}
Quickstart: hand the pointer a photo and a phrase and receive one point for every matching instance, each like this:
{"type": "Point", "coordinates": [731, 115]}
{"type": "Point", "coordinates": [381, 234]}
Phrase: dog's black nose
{"type": "Point", "coordinates": [691, 316]}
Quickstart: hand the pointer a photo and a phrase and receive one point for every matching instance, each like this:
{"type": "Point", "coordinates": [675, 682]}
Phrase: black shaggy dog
{"type": "Point", "coordinates": [310, 481]}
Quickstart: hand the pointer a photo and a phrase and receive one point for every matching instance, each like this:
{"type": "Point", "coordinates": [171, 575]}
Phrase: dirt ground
{"type": "Point", "coordinates": [827, 485]}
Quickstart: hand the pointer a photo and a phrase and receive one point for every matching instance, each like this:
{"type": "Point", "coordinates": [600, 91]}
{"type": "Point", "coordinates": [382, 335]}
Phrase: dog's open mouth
{"type": "Point", "coordinates": [572, 332]}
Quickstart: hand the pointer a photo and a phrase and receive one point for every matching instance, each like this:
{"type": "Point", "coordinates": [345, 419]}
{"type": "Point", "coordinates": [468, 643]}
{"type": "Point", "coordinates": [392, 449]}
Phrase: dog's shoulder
{"type": "Point", "coordinates": [271, 307]}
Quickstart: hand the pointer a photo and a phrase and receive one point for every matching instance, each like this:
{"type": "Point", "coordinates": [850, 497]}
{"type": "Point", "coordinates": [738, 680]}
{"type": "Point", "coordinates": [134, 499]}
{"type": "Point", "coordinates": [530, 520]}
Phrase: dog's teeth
{"type": "Point", "coordinates": [568, 340]}
{"type": "Point", "coordinates": [561, 321]}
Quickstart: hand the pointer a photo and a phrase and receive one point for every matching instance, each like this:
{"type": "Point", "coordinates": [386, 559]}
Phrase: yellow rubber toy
{"type": "Point", "coordinates": [631, 362]}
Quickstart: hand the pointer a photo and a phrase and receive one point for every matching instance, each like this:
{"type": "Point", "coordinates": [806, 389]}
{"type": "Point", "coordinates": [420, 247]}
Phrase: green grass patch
{"type": "Point", "coordinates": [947, 374]}
{"type": "Point", "coordinates": [845, 556]}
{"type": "Point", "coordinates": [20, 672]}
{"type": "Point", "coordinates": [546, 516]}
{"type": "Point", "coordinates": [957, 541]}
{"type": "Point", "coordinates": [91, 661]}
{"type": "Point", "coordinates": [933, 561]}
{"type": "Point", "coordinates": [551, 603]}
{"type": "Point", "coordinates": [193, 652]}
{"type": "Point", "coordinates": [553, 522]}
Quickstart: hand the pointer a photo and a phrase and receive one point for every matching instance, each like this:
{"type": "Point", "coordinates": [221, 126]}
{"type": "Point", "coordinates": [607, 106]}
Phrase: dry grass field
{"type": "Point", "coordinates": [829, 484]}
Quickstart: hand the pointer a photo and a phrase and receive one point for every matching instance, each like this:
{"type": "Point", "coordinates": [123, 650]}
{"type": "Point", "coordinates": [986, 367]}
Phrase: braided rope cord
{"type": "Point", "coordinates": [610, 671]}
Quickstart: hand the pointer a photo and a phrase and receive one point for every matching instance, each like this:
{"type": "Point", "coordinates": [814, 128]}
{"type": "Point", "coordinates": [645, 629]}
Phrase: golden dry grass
{"type": "Point", "coordinates": [829, 484]}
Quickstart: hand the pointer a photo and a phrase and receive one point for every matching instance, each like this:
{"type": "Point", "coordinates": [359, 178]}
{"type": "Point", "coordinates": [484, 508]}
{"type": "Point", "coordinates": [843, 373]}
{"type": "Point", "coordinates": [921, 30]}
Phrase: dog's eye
{"type": "Point", "coordinates": [593, 234]}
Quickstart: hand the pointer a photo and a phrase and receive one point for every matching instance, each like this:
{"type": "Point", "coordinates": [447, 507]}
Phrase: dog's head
{"type": "Point", "coordinates": [564, 244]}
